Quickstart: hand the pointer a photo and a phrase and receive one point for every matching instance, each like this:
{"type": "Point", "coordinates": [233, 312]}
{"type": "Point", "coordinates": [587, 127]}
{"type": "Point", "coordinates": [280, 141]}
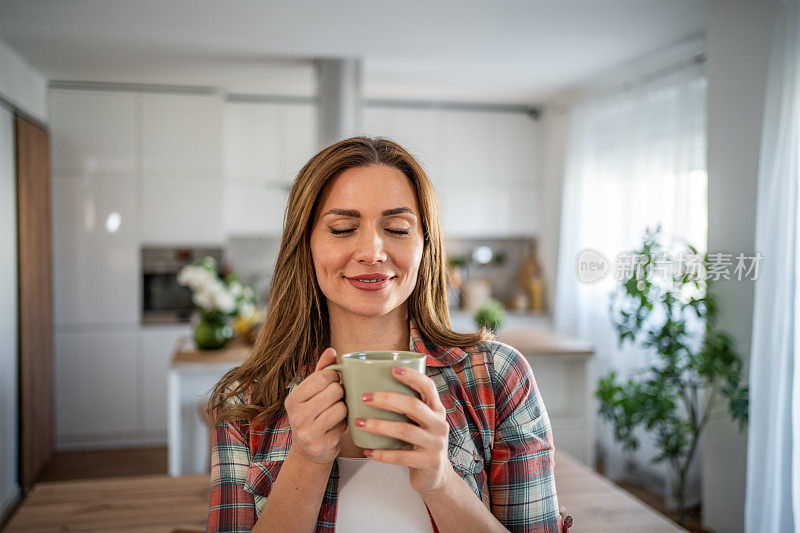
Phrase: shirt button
{"type": "Point", "coordinates": [476, 457]}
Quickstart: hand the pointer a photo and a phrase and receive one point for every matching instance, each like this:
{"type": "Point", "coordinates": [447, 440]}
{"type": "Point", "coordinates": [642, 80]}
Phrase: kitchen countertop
{"type": "Point", "coordinates": [541, 341]}
{"type": "Point", "coordinates": [528, 339]}
{"type": "Point", "coordinates": [187, 352]}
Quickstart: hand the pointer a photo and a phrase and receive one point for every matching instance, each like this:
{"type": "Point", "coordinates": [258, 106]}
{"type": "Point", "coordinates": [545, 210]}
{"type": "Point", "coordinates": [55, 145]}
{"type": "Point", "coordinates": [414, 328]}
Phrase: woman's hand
{"type": "Point", "coordinates": [317, 414]}
{"type": "Point", "coordinates": [429, 467]}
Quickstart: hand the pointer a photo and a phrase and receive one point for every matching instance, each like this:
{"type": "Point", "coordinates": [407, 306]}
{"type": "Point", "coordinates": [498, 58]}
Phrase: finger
{"type": "Point", "coordinates": [313, 385]}
{"type": "Point", "coordinates": [422, 384]}
{"type": "Point", "coordinates": [327, 397]}
{"type": "Point", "coordinates": [339, 430]}
{"type": "Point", "coordinates": [330, 417]}
{"type": "Point", "coordinates": [411, 406]}
{"type": "Point", "coordinates": [409, 458]}
{"type": "Point", "coordinates": [404, 431]}
{"type": "Point", "coordinates": [328, 357]}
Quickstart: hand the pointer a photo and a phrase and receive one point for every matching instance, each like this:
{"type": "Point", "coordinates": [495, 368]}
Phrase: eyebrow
{"type": "Point", "coordinates": [354, 213]}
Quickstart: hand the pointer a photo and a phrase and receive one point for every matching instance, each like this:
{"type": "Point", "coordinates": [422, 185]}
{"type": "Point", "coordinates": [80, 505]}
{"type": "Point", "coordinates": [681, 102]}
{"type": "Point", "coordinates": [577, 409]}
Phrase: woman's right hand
{"type": "Point", "coordinates": [317, 414]}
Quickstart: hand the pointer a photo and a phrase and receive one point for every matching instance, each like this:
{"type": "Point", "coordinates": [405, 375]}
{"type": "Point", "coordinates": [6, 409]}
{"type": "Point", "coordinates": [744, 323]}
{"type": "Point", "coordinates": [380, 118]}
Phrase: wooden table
{"type": "Point", "coordinates": [146, 504]}
{"type": "Point", "coordinates": [599, 506]}
{"type": "Point", "coordinates": [164, 504]}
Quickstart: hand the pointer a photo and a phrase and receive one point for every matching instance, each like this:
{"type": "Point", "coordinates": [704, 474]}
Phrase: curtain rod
{"type": "Point", "coordinates": [633, 81]}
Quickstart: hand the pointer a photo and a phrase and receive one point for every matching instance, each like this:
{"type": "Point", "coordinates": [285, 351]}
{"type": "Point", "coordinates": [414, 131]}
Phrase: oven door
{"type": "Point", "coordinates": [164, 299]}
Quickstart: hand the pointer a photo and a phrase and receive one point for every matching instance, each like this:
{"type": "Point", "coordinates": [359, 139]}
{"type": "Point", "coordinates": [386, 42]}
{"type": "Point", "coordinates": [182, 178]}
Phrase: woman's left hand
{"type": "Point", "coordinates": [429, 467]}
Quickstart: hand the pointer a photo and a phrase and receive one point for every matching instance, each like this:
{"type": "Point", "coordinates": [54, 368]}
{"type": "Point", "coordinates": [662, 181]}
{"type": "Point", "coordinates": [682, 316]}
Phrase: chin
{"type": "Point", "coordinates": [369, 309]}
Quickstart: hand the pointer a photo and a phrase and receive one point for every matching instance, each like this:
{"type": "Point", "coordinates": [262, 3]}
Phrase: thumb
{"type": "Point", "coordinates": [328, 357]}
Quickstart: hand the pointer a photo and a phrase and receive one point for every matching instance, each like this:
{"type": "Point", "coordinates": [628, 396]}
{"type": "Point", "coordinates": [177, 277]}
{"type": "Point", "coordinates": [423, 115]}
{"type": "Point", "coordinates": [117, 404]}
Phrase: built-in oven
{"type": "Point", "coordinates": [164, 300]}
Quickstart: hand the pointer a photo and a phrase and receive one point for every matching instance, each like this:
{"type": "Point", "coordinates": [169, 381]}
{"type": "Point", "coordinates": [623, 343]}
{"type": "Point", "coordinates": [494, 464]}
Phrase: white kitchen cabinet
{"type": "Point", "coordinates": [266, 141]}
{"type": "Point", "coordinates": [254, 209]}
{"type": "Point", "coordinates": [297, 137]}
{"type": "Point", "coordinates": [97, 385]}
{"type": "Point", "coordinates": [467, 148]}
{"type": "Point", "coordinates": [565, 384]}
{"type": "Point", "coordinates": [420, 131]}
{"type": "Point", "coordinates": [181, 169]}
{"type": "Point", "coordinates": [489, 184]}
{"type": "Point", "coordinates": [513, 143]}
{"type": "Point", "coordinates": [266, 144]}
{"type": "Point", "coordinates": [181, 210]}
{"type": "Point", "coordinates": [181, 135]}
{"type": "Point", "coordinates": [95, 250]}
{"type": "Point", "coordinates": [250, 141]}
{"type": "Point", "coordinates": [92, 132]}
{"type": "Point", "coordinates": [158, 344]}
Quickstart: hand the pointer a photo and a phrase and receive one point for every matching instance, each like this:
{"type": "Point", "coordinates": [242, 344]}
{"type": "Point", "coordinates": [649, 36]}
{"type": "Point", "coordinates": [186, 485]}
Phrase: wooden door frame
{"type": "Point", "coordinates": [35, 282]}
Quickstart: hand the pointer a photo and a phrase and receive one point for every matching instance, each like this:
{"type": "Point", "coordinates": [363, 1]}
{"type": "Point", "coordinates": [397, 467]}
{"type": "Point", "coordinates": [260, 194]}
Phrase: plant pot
{"type": "Point", "coordinates": [212, 333]}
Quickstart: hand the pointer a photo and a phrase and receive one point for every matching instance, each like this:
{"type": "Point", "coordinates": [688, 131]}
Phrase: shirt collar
{"type": "Point", "coordinates": [437, 356]}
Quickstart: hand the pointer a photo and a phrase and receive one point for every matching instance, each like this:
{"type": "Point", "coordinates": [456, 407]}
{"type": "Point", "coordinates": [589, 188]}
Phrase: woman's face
{"type": "Point", "coordinates": [367, 222]}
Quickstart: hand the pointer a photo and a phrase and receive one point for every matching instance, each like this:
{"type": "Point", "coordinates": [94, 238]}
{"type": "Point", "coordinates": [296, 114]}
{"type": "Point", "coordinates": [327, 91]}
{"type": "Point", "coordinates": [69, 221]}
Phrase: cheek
{"type": "Point", "coordinates": [328, 259]}
{"type": "Point", "coordinates": [412, 258]}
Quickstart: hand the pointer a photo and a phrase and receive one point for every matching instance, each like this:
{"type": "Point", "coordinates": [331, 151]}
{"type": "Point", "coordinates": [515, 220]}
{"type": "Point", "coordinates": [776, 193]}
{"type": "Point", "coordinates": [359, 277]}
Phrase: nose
{"type": "Point", "coordinates": [369, 248]}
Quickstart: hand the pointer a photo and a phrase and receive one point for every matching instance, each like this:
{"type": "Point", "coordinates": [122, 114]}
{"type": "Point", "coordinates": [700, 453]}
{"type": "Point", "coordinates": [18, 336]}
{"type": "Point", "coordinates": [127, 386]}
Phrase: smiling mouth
{"type": "Point", "coordinates": [370, 278]}
{"type": "Point", "coordinates": [366, 284]}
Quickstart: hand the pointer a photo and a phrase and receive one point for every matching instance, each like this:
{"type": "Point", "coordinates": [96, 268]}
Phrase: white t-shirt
{"type": "Point", "coordinates": [377, 497]}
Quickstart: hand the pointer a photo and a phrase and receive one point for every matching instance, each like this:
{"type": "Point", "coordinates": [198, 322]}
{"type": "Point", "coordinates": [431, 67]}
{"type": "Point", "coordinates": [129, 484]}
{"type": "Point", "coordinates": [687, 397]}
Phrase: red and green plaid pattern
{"type": "Point", "coordinates": [500, 443]}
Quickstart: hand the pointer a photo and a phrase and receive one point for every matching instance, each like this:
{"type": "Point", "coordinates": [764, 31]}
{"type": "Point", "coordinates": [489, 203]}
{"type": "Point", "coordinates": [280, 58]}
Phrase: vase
{"type": "Point", "coordinates": [212, 333]}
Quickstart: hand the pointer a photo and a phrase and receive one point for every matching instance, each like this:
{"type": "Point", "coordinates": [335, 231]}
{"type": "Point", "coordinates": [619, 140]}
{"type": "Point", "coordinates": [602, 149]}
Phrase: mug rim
{"type": "Point", "coordinates": [411, 356]}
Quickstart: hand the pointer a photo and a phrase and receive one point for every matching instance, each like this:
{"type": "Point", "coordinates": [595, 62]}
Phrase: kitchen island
{"type": "Point", "coordinates": [561, 365]}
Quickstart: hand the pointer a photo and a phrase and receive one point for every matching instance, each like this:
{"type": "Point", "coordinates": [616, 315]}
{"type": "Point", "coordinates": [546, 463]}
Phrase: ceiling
{"type": "Point", "coordinates": [501, 51]}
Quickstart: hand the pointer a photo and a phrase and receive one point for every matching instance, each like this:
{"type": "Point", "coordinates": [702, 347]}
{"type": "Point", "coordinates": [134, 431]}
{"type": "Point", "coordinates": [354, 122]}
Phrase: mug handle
{"type": "Point", "coordinates": [337, 367]}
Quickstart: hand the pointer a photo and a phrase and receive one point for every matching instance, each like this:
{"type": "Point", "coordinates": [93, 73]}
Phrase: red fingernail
{"type": "Point", "coordinates": [366, 397]}
{"type": "Point", "coordinates": [368, 453]}
{"type": "Point", "coordinates": [399, 370]}
{"type": "Point", "coordinates": [360, 422]}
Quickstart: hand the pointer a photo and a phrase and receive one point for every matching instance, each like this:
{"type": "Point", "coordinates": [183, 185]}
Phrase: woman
{"type": "Point", "coordinates": [482, 453]}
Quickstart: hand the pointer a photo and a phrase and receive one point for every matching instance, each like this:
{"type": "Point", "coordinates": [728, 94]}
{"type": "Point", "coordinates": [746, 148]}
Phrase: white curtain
{"type": "Point", "coordinates": [635, 157]}
{"type": "Point", "coordinates": [773, 454]}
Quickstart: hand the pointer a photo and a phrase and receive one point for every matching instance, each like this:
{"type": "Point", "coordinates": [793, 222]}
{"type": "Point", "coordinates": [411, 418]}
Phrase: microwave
{"type": "Point", "coordinates": [164, 300]}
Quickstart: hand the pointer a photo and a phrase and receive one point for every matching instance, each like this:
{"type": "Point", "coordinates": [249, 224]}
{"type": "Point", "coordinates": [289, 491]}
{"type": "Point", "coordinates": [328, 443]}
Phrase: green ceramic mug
{"type": "Point", "coordinates": [371, 371]}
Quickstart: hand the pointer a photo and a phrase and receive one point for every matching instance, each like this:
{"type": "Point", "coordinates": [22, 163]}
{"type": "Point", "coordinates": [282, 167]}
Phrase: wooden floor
{"type": "Point", "coordinates": [107, 463]}
{"type": "Point", "coordinates": [153, 461]}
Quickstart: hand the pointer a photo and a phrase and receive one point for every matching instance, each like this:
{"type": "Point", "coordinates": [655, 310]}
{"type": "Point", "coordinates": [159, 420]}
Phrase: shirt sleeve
{"type": "Point", "coordinates": [232, 509]}
{"type": "Point", "coordinates": [521, 477]}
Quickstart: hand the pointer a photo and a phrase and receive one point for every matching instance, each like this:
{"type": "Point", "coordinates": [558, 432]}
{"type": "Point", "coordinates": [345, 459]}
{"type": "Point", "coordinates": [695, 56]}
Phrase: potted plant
{"type": "Point", "coordinates": [674, 395]}
{"type": "Point", "coordinates": [218, 299]}
{"type": "Point", "coordinates": [490, 315]}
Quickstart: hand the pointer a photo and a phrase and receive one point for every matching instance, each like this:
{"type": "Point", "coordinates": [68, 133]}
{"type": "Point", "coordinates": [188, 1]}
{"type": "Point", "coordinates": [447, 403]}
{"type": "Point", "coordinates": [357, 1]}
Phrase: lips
{"type": "Point", "coordinates": [370, 282]}
{"type": "Point", "coordinates": [370, 277]}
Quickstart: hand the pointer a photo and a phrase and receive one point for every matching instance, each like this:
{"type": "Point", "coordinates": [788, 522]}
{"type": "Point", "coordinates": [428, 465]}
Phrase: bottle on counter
{"type": "Point", "coordinates": [475, 293]}
{"type": "Point", "coordinates": [530, 278]}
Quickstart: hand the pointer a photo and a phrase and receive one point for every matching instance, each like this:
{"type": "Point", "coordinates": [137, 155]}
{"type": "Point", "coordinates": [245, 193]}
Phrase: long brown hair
{"type": "Point", "coordinates": [296, 329]}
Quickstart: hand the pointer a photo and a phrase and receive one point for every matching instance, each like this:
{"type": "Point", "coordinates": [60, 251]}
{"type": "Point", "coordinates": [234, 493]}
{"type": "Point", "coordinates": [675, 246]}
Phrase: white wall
{"type": "Point", "coordinates": [739, 33]}
{"type": "Point", "coordinates": [21, 85]}
{"type": "Point", "coordinates": [9, 489]}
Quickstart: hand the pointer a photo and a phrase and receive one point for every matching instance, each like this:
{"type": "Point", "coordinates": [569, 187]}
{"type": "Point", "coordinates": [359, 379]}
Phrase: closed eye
{"type": "Point", "coordinates": [344, 231]}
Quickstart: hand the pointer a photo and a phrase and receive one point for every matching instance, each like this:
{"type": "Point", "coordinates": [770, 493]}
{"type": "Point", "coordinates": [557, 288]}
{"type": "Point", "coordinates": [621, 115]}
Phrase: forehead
{"type": "Point", "coordinates": [367, 189]}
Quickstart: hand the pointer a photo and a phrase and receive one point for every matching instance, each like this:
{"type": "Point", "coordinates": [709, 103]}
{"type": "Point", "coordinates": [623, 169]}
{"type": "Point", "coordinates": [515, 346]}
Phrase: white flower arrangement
{"type": "Point", "coordinates": [213, 294]}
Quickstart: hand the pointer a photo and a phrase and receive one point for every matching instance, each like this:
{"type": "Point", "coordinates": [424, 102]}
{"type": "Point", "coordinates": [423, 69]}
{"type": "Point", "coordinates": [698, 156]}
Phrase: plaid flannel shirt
{"type": "Point", "coordinates": [500, 443]}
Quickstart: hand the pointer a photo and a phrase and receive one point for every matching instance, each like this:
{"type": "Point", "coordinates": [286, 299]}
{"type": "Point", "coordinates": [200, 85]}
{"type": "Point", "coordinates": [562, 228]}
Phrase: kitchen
{"type": "Point", "coordinates": [172, 156]}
